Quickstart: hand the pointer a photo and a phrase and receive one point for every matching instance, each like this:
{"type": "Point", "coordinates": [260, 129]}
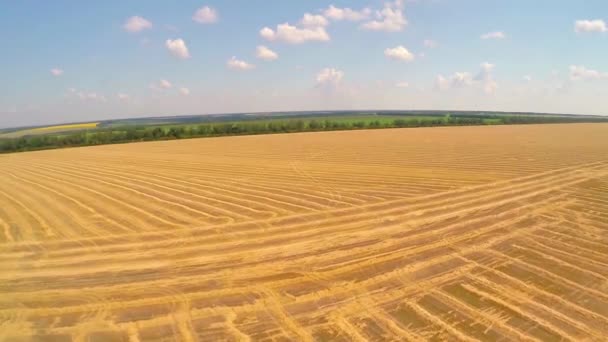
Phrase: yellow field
{"type": "Point", "coordinates": [452, 233]}
{"type": "Point", "coordinates": [50, 129]}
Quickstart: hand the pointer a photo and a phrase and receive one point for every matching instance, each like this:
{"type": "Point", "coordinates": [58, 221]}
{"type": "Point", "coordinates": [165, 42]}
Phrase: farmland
{"type": "Point", "coordinates": [197, 126]}
{"type": "Point", "coordinates": [33, 131]}
{"type": "Point", "coordinates": [445, 233]}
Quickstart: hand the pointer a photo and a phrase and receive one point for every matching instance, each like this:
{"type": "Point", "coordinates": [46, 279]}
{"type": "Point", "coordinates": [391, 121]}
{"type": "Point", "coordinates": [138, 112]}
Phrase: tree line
{"type": "Point", "coordinates": [125, 134]}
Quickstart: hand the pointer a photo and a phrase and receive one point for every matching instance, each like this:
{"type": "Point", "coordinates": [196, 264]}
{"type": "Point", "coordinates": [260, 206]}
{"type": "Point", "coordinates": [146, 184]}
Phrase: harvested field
{"type": "Point", "coordinates": [454, 233]}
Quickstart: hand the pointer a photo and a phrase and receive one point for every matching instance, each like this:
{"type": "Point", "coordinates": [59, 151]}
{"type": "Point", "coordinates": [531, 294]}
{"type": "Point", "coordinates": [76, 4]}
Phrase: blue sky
{"type": "Point", "coordinates": [65, 61]}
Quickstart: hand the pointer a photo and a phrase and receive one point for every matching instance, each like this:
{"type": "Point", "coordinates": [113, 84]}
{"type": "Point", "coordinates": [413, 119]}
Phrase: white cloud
{"type": "Point", "coordinates": [399, 53]}
{"type": "Point", "coordinates": [390, 19]}
{"type": "Point", "coordinates": [402, 84]}
{"type": "Point", "coordinates": [487, 67]}
{"type": "Point", "coordinates": [335, 13]}
{"type": "Point", "coordinates": [441, 82]}
{"type": "Point", "coordinates": [527, 78]}
{"type": "Point", "coordinates": [267, 33]}
{"type": "Point", "coordinates": [184, 91]}
{"type": "Point", "coordinates": [329, 76]}
{"type": "Point", "coordinates": [483, 79]}
{"type": "Point", "coordinates": [430, 43]}
{"type": "Point", "coordinates": [178, 48]}
{"type": "Point", "coordinates": [56, 72]}
{"type": "Point", "coordinates": [123, 97]}
{"type": "Point", "coordinates": [265, 53]}
{"type": "Point", "coordinates": [162, 84]}
{"type": "Point", "coordinates": [313, 20]}
{"type": "Point", "coordinates": [92, 96]}
{"type": "Point", "coordinates": [294, 35]}
{"type": "Point", "coordinates": [579, 72]}
{"type": "Point", "coordinates": [86, 95]}
{"type": "Point", "coordinates": [137, 24]}
{"type": "Point", "coordinates": [236, 64]}
{"type": "Point", "coordinates": [205, 15]}
{"type": "Point", "coordinates": [494, 35]}
{"type": "Point", "coordinates": [596, 25]}
{"type": "Point", "coordinates": [165, 84]}
{"type": "Point", "coordinates": [490, 86]}
{"type": "Point", "coordinates": [461, 79]}
{"type": "Point", "coordinates": [485, 76]}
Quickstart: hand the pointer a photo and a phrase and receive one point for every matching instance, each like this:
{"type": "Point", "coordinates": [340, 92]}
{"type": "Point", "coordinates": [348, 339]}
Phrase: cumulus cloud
{"type": "Point", "coordinates": [313, 20]}
{"type": "Point", "coordinates": [337, 14]}
{"type": "Point", "coordinates": [486, 69]}
{"type": "Point", "coordinates": [162, 84]}
{"type": "Point", "coordinates": [92, 96]}
{"type": "Point", "coordinates": [123, 97]}
{"type": "Point", "coordinates": [295, 35]}
{"type": "Point", "coordinates": [389, 19]}
{"type": "Point", "coordinates": [205, 15]}
{"type": "Point", "coordinates": [165, 84]}
{"type": "Point", "coordinates": [442, 82]}
{"type": "Point", "coordinates": [184, 91]}
{"type": "Point", "coordinates": [399, 53]}
{"type": "Point", "coordinates": [462, 79]}
{"type": "Point", "coordinates": [137, 24]}
{"type": "Point", "coordinates": [236, 64]}
{"type": "Point", "coordinates": [457, 80]}
{"type": "Point", "coordinates": [86, 95]}
{"type": "Point", "coordinates": [596, 25]}
{"type": "Point", "coordinates": [579, 72]}
{"type": "Point", "coordinates": [329, 76]}
{"type": "Point", "coordinates": [402, 84]}
{"type": "Point", "coordinates": [265, 53]}
{"type": "Point", "coordinates": [490, 86]}
{"type": "Point", "coordinates": [177, 48]}
{"type": "Point", "coordinates": [56, 72]}
{"type": "Point", "coordinates": [493, 35]}
{"type": "Point", "coordinates": [486, 78]}
{"type": "Point", "coordinates": [430, 43]}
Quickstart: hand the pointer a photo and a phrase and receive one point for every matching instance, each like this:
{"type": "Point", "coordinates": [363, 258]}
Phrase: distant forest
{"type": "Point", "coordinates": [136, 131]}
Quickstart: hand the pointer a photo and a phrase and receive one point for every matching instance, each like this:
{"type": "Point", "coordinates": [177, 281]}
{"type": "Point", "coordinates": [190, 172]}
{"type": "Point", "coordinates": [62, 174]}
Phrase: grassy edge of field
{"type": "Point", "coordinates": [117, 134]}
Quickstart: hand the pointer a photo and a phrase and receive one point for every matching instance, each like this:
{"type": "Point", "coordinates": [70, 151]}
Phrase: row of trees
{"type": "Point", "coordinates": [149, 133]}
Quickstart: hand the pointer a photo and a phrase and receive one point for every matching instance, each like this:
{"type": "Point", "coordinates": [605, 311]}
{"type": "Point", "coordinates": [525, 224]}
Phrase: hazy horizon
{"type": "Point", "coordinates": [143, 116]}
{"type": "Point", "coordinates": [79, 62]}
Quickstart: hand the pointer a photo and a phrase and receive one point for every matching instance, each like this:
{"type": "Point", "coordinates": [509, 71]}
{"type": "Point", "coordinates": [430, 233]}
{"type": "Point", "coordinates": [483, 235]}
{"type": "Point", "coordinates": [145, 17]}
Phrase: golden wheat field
{"type": "Point", "coordinates": [455, 233]}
